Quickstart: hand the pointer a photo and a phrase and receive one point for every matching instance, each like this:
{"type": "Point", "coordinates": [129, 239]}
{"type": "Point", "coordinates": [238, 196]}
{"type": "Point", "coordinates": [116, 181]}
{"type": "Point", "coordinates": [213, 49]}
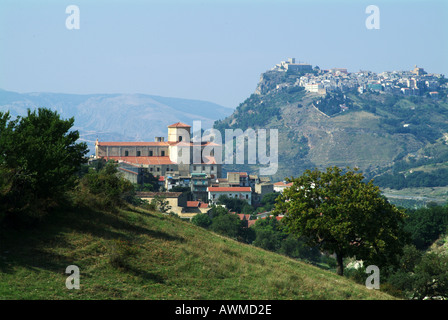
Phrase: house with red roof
{"type": "Point", "coordinates": [282, 185]}
{"type": "Point", "coordinates": [244, 193]}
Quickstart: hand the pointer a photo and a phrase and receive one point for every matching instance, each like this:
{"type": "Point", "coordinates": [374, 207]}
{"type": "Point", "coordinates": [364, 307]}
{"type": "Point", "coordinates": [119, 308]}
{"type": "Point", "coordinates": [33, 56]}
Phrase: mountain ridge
{"type": "Point", "coordinates": [116, 117]}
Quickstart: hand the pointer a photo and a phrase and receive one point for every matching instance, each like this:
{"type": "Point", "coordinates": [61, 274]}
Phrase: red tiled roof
{"type": "Point", "coordinates": [196, 204]}
{"type": "Point", "coordinates": [130, 171]}
{"type": "Point", "coordinates": [281, 183]}
{"type": "Point", "coordinates": [132, 144]}
{"type": "Point", "coordinates": [229, 189]}
{"type": "Point", "coordinates": [243, 216]}
{"type": "Point", "coordinates": [179, 125]}
{"type": "Point", "coordinates": [250, 223]}
{"type": "Point", "coordinates": [143, 160]}
{"type": "Point", "coordinates": [192, 204]}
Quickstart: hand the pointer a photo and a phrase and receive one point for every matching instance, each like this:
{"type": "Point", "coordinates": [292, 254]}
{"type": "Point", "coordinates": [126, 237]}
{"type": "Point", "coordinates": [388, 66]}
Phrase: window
{"type": "Point", "coordinates": [163, 153]}
{"type": "Point", "coordinates": [247, 196]}
{"type": "Point", "coordinates": [150, 153]}
{"type": "Point", "coordinates": [180, 138]}
{"type": "Point", "coordinates": [126, 153]}
{"type": "Point", "coordinates": [194, 168]}
{"type": "Point", "coordinates": [138, 153]}
{"type": "Point", "coordinates": [203, 168]}
{"type": "Point", "coordinates": [211, 168]}
{"type": "Point", "coordinates": [150, 169]}
{"type": "Point", "coordinates": [158, 169]}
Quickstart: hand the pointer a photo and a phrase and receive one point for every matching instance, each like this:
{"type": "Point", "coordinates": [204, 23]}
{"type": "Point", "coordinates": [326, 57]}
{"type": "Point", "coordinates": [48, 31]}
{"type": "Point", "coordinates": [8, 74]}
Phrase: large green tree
{"type": "Point", "coordinates": [39, 157]}
{"type": "Point", "coordinates": [344, 215]}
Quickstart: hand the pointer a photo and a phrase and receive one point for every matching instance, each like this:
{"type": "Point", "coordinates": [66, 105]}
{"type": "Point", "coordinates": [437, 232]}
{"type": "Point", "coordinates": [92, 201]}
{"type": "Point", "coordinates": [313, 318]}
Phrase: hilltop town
{"type": "Point", "coordinates": [415, 82]}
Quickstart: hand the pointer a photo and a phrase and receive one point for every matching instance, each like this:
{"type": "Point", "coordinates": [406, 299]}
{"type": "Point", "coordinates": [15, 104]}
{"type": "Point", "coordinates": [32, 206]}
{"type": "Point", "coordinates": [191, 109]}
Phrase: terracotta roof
{"type": "Point", "coordinates": [250, 223]}
{"type": "Point", "coordinates": [143, 160]}
{"type": "Point", "coordinates": [130, 171]}
{"type": "Point", "coordinates": [192, 204]}
{"type": "Point", "coordinates": [243, 216]}
{"type": "Point", "coordinates": [132, 144]}
{"type": "Point", "coordinates": [179, 125]}
{"type": "Point", "coordinates": [203, 205]}
{"type": "Point", "coordinates": [281, 183]}
{"type": "Point", "coordinates": [229, 189]}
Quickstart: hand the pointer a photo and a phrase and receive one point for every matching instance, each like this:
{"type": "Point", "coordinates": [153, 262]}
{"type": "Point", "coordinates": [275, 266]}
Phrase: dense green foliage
{"type": "Point", "coordinates": [267, 233]}
{"type": "Point", "coordinates": [342, 214]}
{"type": "Point", "coordinates": [39, 160]}
{"type": "Point", "coordinates": [104, 189]}
{"type": "Point", "coordinates": [270, 234]}
{"type": "Point", "coordinates": [235, 204]}
{"type": "Point", "coordinates": [416, 179]}
{"type": "Point", "coordinates": [426, 225]}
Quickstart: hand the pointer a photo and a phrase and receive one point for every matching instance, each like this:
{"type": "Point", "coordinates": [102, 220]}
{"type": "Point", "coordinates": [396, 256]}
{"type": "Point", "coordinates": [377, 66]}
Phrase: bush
{"type": "Point", "coordinates": [201, 220]}
{"type": "Point", "coordinates": [39, 162]}
{"type": "Point", "coordinates": [105, 189]}
{"type": "Point", "coordinates": [227, 224]}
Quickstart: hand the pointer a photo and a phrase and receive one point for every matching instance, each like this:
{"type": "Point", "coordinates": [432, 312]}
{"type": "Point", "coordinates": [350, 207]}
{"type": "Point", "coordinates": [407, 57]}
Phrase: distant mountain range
{"type": "Point", "coordinates": [117, 117]}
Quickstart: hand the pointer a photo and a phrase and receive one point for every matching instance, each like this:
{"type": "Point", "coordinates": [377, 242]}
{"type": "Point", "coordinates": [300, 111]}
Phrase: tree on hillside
{"type": "Point", "coordinates": [233, 204]}
{"type": "Point", "coordinates": [342, 214]}
{"type": "Point", "coordinates": [39, 159]}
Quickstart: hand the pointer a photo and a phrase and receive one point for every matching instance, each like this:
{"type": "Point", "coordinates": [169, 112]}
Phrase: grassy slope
{"type": "Point", "coordinates": [171, 259]}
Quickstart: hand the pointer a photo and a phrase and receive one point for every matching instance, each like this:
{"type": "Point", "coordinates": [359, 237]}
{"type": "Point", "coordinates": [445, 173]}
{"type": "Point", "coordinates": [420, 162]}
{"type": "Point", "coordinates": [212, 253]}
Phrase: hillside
{"type": "Point", "coordinates": [117, 117]}
{"type": "Point", "coordinates": [135, 254]}
{"type": "Point", "coordinates": [372, 130]}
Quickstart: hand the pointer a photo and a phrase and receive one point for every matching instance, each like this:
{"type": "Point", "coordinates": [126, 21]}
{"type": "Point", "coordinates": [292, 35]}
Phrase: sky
{"type": "Point", "coordinates": [208, 50]}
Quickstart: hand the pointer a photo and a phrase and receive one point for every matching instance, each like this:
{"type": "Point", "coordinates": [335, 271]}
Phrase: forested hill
{"type": "Point", "coordinates": [373, 130]}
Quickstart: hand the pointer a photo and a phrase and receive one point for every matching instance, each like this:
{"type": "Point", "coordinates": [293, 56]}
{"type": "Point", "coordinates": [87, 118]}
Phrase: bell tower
{"type": "Point", "coordinates": [179, 132]}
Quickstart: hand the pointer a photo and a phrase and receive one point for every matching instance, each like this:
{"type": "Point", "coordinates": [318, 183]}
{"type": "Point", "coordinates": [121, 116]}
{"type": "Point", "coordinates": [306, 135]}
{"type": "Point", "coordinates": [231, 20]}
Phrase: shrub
{"type": "Point", "coordinates": [105, 189]}
{"type": "Point", "coordinates": [201, 220]}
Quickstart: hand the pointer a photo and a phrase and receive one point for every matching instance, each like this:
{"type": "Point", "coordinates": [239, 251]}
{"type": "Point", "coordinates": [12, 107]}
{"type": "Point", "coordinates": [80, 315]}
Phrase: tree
{"type": "Point", "coordinates": [227, 224]}
{"type": "Point", "coordinates": [161, 203]}
{"type": "Point", "coordinates": [39, 160]}
{"type": "Point", "coordinates": [342, 214]}
{"type": "Point", "coordinates": [233, 204]}
{"type": "Point", "coordinates": [430, 277]}
{"type": "Point", "coordinates": [108, 188]}
{"type": "Point", "coordinates": [201, 220]}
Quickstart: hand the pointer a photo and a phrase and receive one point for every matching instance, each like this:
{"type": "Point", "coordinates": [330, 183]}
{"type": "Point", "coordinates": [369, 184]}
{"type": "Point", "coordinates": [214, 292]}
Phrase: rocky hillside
{"type": "Point", "coordinates": [371, 131]}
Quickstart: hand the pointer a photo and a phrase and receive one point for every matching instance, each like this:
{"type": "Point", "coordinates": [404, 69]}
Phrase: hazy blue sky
{"type": "Point", "coordinates": [208, 50]}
